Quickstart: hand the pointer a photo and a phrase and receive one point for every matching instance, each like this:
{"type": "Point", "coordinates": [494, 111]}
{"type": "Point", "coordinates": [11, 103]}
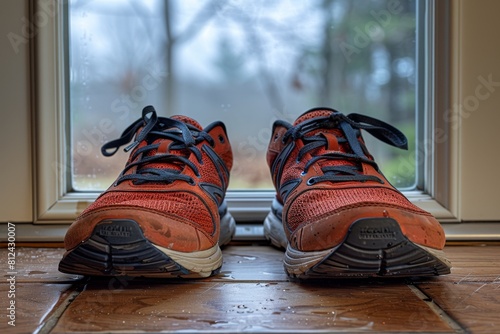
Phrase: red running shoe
{"type": "Point", "coordinates": [335, 213]}
{"type": "Point", "coordinates": [165, 215]}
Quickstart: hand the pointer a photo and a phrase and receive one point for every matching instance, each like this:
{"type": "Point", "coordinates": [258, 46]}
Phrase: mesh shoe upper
{"type": "Point", "coordinates": [326, 179]}
{"type": "Point", "coordinates": [173, 183]}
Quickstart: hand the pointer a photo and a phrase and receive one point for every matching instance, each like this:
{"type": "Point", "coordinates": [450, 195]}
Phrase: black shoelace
{"type": "Point", "coordinates": [183, 136]}
{"type": "Point", "coordinates": [350, 126]}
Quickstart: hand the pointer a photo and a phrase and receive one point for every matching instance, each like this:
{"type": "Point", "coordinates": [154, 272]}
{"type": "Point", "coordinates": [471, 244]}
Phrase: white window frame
{"type": "Point", "coordinates": [56, 206]}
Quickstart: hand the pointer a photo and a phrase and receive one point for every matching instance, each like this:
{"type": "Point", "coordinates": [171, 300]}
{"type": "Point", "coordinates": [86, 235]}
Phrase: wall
{"type": "Point", "coordinates": [477, 79]}
{"type": "Point", "coordinates": [16, 183]}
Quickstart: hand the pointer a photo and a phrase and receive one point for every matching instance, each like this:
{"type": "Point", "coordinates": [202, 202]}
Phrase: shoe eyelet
{"type": "Point", "coordinates": [276, 136]}
{"type": "Point", "coordinates": [311, 181]}
{"type": "Point", "coordinates": [303, 173]}
{"type": "Point", "coordinates": [191, 182]}
{"type": "Point", "coordinates": [222, 140]}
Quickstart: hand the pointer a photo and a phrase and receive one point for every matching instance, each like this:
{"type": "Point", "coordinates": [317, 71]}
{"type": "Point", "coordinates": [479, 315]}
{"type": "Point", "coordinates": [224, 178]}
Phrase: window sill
{"type": "Point", "coordinates": [245, 206]}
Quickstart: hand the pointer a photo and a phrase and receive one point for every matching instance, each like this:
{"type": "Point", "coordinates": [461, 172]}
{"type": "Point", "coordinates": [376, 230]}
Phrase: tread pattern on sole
{"type": "Point", "coordinates": [376, 247]}
{"type": "Point", "coordinates": [119, 248]}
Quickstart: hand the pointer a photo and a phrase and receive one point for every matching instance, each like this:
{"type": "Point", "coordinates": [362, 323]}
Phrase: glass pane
{"type": "Point", "coordinates": [246, 63]}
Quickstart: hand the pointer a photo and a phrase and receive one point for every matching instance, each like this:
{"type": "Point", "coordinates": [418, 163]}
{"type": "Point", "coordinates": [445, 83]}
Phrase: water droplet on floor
{"type": "Point", "coordinates": [37, 272]}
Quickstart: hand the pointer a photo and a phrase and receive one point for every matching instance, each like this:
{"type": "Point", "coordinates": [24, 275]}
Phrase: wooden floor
{"type": "Point", "coordinates": [252, 294]}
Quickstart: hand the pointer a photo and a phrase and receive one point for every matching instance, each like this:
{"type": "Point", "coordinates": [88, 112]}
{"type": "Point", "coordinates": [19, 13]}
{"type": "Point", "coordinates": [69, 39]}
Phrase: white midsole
{"type": "Point", "coordinates": [439, 254]}
{"type": "Point", "coordinates": [273, 230]}
{"type": "Point", "coordinates": [227, 228]}
{"type": "Point", "coordinates": [201, 262]}
{"type": "Point", "coordinates": [297, 262]}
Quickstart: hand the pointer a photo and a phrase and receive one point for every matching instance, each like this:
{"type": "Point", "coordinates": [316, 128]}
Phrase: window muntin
{"type": "Point", "coordinates": [245, 63]}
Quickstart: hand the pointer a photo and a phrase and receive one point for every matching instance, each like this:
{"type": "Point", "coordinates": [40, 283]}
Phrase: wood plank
{"type": "Point", "coordinates": [253, 293]}
{"type": "Point", "coordinates": [153, 306]}
{"type": "Point", "coordinates": [471, 293]}
{"type": "Point", "coordinates": [471, 263]}
{"type": "Point", "coordinates": [252, 263]}
{"type": "Point", "coordinates": [475, 306]}
{"type": "Point", "coordinates": [37, 265]}
{"type": "Point", "coordinates": [34, 305]}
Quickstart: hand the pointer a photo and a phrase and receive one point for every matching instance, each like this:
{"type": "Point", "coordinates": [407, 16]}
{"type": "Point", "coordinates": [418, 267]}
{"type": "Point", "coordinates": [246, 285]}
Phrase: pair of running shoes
{"type": "Point", "coordinates": [334, 212]}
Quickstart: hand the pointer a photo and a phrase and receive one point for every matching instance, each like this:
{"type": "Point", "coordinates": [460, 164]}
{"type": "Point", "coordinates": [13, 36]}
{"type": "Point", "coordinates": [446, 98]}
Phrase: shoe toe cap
{"type": "Point", "coordinates": [330, 230]}
{"type": "Point", "coordinates": [162, 229]}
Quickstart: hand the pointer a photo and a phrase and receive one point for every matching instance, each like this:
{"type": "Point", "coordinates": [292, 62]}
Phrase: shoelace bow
{"type": "Point", "coordinates": [183, 136]}
{"type": "Point", "coordinates": [350, 125]}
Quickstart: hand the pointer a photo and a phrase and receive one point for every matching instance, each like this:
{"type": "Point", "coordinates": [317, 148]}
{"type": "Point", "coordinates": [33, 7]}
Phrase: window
{"type": "Point", "coordinates": [246, 63]}
{"type": "Point", "coordinates": [437, 163]}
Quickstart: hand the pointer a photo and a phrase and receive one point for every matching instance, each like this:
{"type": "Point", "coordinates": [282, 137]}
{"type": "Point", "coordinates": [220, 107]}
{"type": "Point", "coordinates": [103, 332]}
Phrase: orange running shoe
{"type": "Point", "coordinates": [334, 211]}
{"type": "Point", "coordinates": [165, 215]}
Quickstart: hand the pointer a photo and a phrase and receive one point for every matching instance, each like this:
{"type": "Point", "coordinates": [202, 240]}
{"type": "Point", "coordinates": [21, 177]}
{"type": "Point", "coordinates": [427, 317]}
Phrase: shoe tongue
{"type": "Point", "coordinates": [187, 120]}
{"type": "Point", "coordinates": [312, 114]}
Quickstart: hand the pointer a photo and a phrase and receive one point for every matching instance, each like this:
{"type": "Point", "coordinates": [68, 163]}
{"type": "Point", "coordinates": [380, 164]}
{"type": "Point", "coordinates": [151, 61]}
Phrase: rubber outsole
{"type": "Point", "coordinates": [119, 248]}
{"type": "Point", "coordinates": [373, 247]}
